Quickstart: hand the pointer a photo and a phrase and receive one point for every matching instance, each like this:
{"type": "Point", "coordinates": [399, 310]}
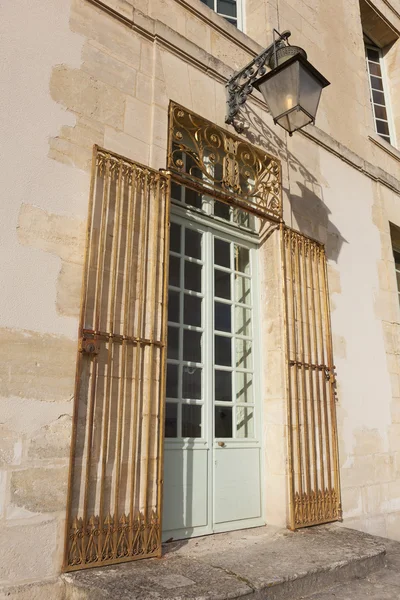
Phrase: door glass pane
{"type": "Point", "coordinates": [376, 83]}
{"type": "Point", "coordinates": [172, 381]}
{"type": "Point", "coordinates": [222, 253]}
{"type": "Point", "coordinates": [223, 351]}
{"type": "Point", "coordinates": [171, 420]}
{"type": "Point", "coordinates": [242, 259]}
{"type": "Point", "coordinates": [173, 342]}
{"type": "Point", "coordinates": [380, 112]}
{"type": "Point", "coordinates": [176, 194]}
{"type": "Point", "coordinates": [191, 420]}
{"type": "Point", "coordinates": [221, 210]}
{"type": "Point", "coordinates": [242, 320]}
{"type": "Point", "coordinates": [382, 127]}
{"type": "Point", "coordinates": [375, 69]}
{"type": "Point", "coordinates": [175, 238]}
{"type": "Point", "coordinates": [223, 421]}
{"type": "Point", "coordinates": [173, 306]}
{"type": "Point", "coordinates": [243, 354]}
{"type": "Point", "coordinates": [193, 198]}
{"type": "Point", "coordinates": [192, 276]}
{"type": "Point", "coordinates": [244, 422]}
{"type": "Point", "coordinates": [222, 317]}
{"type": "Point", "coordinates": [192, 346]}
{"type": "Point", "coordinates": [242, 289]}
{"type": "Point", "coordinates": [192, 310]}
{"type": "Point", "coordinates": [223, 386]}
{"type": "Point", "coordinates": [378, 97]}
{"type": "Point", "coordinates": [191, 383]}
{"type": "Point", "coordinates": [192, 243]}
{"type": "Point", "coordinates": [174, 271]}
{"type": "Point", "coordinates": [222, 284]}
{"type": "Point", "coordinates": [244, 387]}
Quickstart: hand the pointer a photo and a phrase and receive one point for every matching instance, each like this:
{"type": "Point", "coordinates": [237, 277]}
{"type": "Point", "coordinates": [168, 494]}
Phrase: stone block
{"type": "Point", "coordinates": [137, 122]}
{"type": "Point", "coordinates": [358, 472]}
{"type": "Point", "coordinates": [27, 552]}
{"type": "Point", "coordinates": [393, 526]}
{"type": "Point", "coordinates": [37, 366]}
{"type": "Point", "coordinates": [69, 289]}
{"type": "Point", "coordinates": [394, 437]}
{"type": "Point", "coordinates": [368, 441]}
{"type": "Point", "coordinates": [85, 95]}
{"type": "Point", "coordinates": [198, 30]}
{"type": "Point", "coordinates": [49, 590]}
{"type": "Point", "coordinates": [52, 441]}
{"type": "Point", "coordinates": [351, 502]}
{"type": "Point", "coordinates": [125, 144]}
{"type": "Point", "coordinates": [203, 93]}
{"type": "Point", "coordinates": [144, 87]}
{"type": "Point", "coordinates": [40, 490]}
{"type": "Point", "coordinates": [176, 75]}
{"type": "Point", "coordinates": [160, 127]}
{"type": "Point", "coordinates": [384, 467]}
{"type": "Point", "coordinates": [104, 67]}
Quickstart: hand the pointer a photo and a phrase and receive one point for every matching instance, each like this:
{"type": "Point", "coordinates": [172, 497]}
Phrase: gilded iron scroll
{"type": "Point", "coordinates": [203, 155]}
{"type": "Point", "coordinates": [312, 439]}
{"type": "Point", "coordinates": [114, 497]}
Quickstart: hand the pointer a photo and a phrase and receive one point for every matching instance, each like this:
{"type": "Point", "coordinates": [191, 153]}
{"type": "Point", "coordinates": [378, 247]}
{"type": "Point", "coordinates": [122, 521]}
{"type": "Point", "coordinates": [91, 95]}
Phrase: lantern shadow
{"type": "Point", "coordinates": [310, 214]}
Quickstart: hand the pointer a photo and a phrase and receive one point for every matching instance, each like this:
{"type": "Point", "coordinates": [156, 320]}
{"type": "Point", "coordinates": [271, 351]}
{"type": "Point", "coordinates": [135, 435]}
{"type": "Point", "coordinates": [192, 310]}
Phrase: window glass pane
{"type": "Point", "coordinates": [223, 351]}
{"type": "Point", "coordinates": [376, 83]}
{"type": "Point", "coordinates": [380, 112]}
{"type": "Point", "coordinates": [171, 420]}
{"type": "Point", "coordinates": [378, 97]}
{"type": "Point", "coordinates": [373, 54]}
{"type": "Point", "coordinates": [222, 210]}
{"type": "Point", "coordinates": [192, 346]}
{"type": "Point", "coordinates": [244, 422]}
{"type": "Point", "coordinates": [222, 253]}
{"type": "Point", "coordinates": [192, 243]}
{"type": "Point", "coordinates": [209, 3]}
{"type": "Point", "coordinates": [382, 127]}
{"type": "Point", "coordinates": [396, 258]}
{"type": "Point", "coordinates": [242, 320]}
{"type": "Point", "coordinates": [191, 383]}
{"type": "Point", "coordinates": [223, 422]}
{"type": "Point", "coordinates": [176, 192]}
{"type": "Point", "coordinates": [398, 281]}
{"type": "Point", "coordinates": [385, 137]}
{"type": "Point", "coordinates": [227, 7]}
{"type": "Point", "coordinates": [193, 198]}
{"type": "Point", "coordinates": [173, 306]}
{"type": "Point", "coordinates": [172, 381]}
{"type": "Point", "coordinates": [375, 69]}
{"type": "Point", "coordinates": [243, 353]}
{"type": "Point", "coordinates": [192, 276]}
{"type": "Point", "coordinates": [233, 21]}
{"type": "Point", "coordinates": [222, 317]}
{"type": "Point", "coordinates": [242, 290]}
{"type": "Point", "coordinates": [242, 259]}
{"type": "Point", "coordinates": [174, 271]}
{"type": "Point", "coordinates": [244, 387]}
{"type": "Point", "coordinates": [222, 284]}
{"type": "Point", "coordinates": [192, 311]}
{"type": "Point", "coordinates": [175, 237]}
{"type": "Point", "coordinates": [223, 386]}
{"type": "Point", "coordinates": [173, 342]}
{"type": "Point", "coordinates": [191, 421]}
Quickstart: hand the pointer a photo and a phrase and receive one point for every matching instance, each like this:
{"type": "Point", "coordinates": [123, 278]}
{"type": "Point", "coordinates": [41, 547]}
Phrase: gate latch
{"type": "Point", "coordinates": [89, 346]}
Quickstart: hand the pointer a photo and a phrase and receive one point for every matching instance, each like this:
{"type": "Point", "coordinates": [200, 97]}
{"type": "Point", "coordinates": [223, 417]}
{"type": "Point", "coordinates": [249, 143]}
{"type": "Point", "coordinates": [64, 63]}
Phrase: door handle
{"type": "Point", "coordinates": [221, 444]}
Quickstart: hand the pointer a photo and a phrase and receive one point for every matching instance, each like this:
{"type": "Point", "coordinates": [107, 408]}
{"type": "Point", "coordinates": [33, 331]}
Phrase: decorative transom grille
{"type": "Point", "coordinates": [114, 503]}
{"type": "Point", "coordinates": [203, 156]}
{"type": "Point", "coordinates": [313, 452]}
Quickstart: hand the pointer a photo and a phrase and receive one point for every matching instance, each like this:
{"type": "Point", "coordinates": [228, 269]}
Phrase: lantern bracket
{"type": "Point", "coordinates": [240, 85]}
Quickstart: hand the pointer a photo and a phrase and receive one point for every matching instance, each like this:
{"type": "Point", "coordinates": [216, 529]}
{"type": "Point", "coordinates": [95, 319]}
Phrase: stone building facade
{"type": "Point", "coordinates": [104, 73]}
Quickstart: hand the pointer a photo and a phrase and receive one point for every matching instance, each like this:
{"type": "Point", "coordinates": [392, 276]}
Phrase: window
{"type": "Point", "coordinates": [379, 96]}
{"type": "Point", "coordinates": [395, 235]}
{"type": "Point", "coordinates": [229, 9]}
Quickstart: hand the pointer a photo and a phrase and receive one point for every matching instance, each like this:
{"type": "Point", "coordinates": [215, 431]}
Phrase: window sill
{"type": "Point", "coordinates": [385, 146]}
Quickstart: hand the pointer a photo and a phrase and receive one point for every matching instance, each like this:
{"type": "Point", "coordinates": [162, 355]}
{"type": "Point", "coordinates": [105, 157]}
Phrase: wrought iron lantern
{"type": "Point", "coordinates": [292, 88]}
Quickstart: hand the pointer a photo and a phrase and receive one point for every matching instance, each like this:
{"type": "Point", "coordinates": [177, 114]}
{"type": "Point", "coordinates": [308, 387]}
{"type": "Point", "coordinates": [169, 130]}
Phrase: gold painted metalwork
{"type": "Point", "coordinates": [311, 379]}
{"type": "Point", "coordinates": [205, 156]}
{"type": "Point", "coordinates": [115, 481]}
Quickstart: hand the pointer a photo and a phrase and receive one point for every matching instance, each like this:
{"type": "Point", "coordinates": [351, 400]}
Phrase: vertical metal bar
{"type": "Point", "coordinates": [300, 294]}
{"type": "Point", "coordinates": [100, 263]}
{"type": "Point", "coordinates": [111, 344]}
{"type": "Point", "coordinates": [79, 361]}
{"type": "Point", "coordinates": [163, 354]}
{"type": "Point", "coordinates": [306, 265]}
{"type": "Point", "coordinates": [335, 451]}
{"type": "Point", "coordinates": [285, 247]}
{"type": "Point", "coordinates": [314, 262]}
{"type": "Point", "coordinates": [320, 257]}
{"type": "Point", "coordinates": [292, 250]}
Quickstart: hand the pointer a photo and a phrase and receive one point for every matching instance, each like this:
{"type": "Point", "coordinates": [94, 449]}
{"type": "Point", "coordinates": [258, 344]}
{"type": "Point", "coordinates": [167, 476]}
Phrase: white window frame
{"type": "Point", "coordinates": [385, 85]}
{"type": "Point", "coordinates": [239, 13]}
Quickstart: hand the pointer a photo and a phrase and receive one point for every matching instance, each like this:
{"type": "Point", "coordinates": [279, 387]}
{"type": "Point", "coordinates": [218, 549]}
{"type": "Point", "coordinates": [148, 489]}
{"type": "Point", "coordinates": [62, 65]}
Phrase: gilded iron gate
{"type": "Point", "coordinates": [313, 449]}
{"type": "Point", "coordinates": [114, 496]}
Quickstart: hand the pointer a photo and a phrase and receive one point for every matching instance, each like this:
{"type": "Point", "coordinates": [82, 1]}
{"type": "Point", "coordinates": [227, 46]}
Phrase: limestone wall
{"type": "Point", "coordinates": [77, 75]}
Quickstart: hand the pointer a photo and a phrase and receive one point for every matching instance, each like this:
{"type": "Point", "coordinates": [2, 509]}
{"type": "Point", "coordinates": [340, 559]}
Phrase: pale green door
{"type": "Point", "coordinates": [212, 459]}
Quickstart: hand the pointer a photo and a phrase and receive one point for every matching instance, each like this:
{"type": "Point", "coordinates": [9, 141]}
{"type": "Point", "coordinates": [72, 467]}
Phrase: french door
{"type": "Point", "coordinates": [212, 456]}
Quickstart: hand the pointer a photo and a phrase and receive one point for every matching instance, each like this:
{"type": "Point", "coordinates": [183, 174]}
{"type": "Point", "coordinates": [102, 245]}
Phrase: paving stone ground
{"type": "Point", "coordinates": [383, 584]}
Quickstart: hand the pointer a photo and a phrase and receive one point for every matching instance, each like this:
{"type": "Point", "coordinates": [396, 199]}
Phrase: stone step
{"type": "Point", "coordinates": [266, 562]}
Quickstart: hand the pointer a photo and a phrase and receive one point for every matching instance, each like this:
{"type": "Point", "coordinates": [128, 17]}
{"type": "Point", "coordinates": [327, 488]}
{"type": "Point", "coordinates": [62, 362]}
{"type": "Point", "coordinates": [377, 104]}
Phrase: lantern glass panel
{"type": "Point", "coordinates": [310, 91]}
{"type": "Point", "coordinates": [281, 89]}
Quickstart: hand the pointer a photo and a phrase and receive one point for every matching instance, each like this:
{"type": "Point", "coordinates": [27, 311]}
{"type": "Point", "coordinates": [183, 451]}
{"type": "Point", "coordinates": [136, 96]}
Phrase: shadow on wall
{"type": "Point", "coordinates": [310, 215]}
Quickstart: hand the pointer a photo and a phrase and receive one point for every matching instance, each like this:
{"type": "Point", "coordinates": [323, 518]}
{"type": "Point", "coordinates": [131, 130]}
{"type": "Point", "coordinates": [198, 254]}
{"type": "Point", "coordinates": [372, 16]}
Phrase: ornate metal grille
{"type": "Point", "coordinates": [203, 156]}
{"type": "Point", "coordinates": [313, 452]}
{"type": "Point", "coordinates": [114, 496]}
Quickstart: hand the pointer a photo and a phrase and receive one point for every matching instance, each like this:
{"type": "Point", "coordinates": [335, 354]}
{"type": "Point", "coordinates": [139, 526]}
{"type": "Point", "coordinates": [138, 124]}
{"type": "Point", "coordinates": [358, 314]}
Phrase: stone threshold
{"type": "Point", "coordinates": [266, 562]}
